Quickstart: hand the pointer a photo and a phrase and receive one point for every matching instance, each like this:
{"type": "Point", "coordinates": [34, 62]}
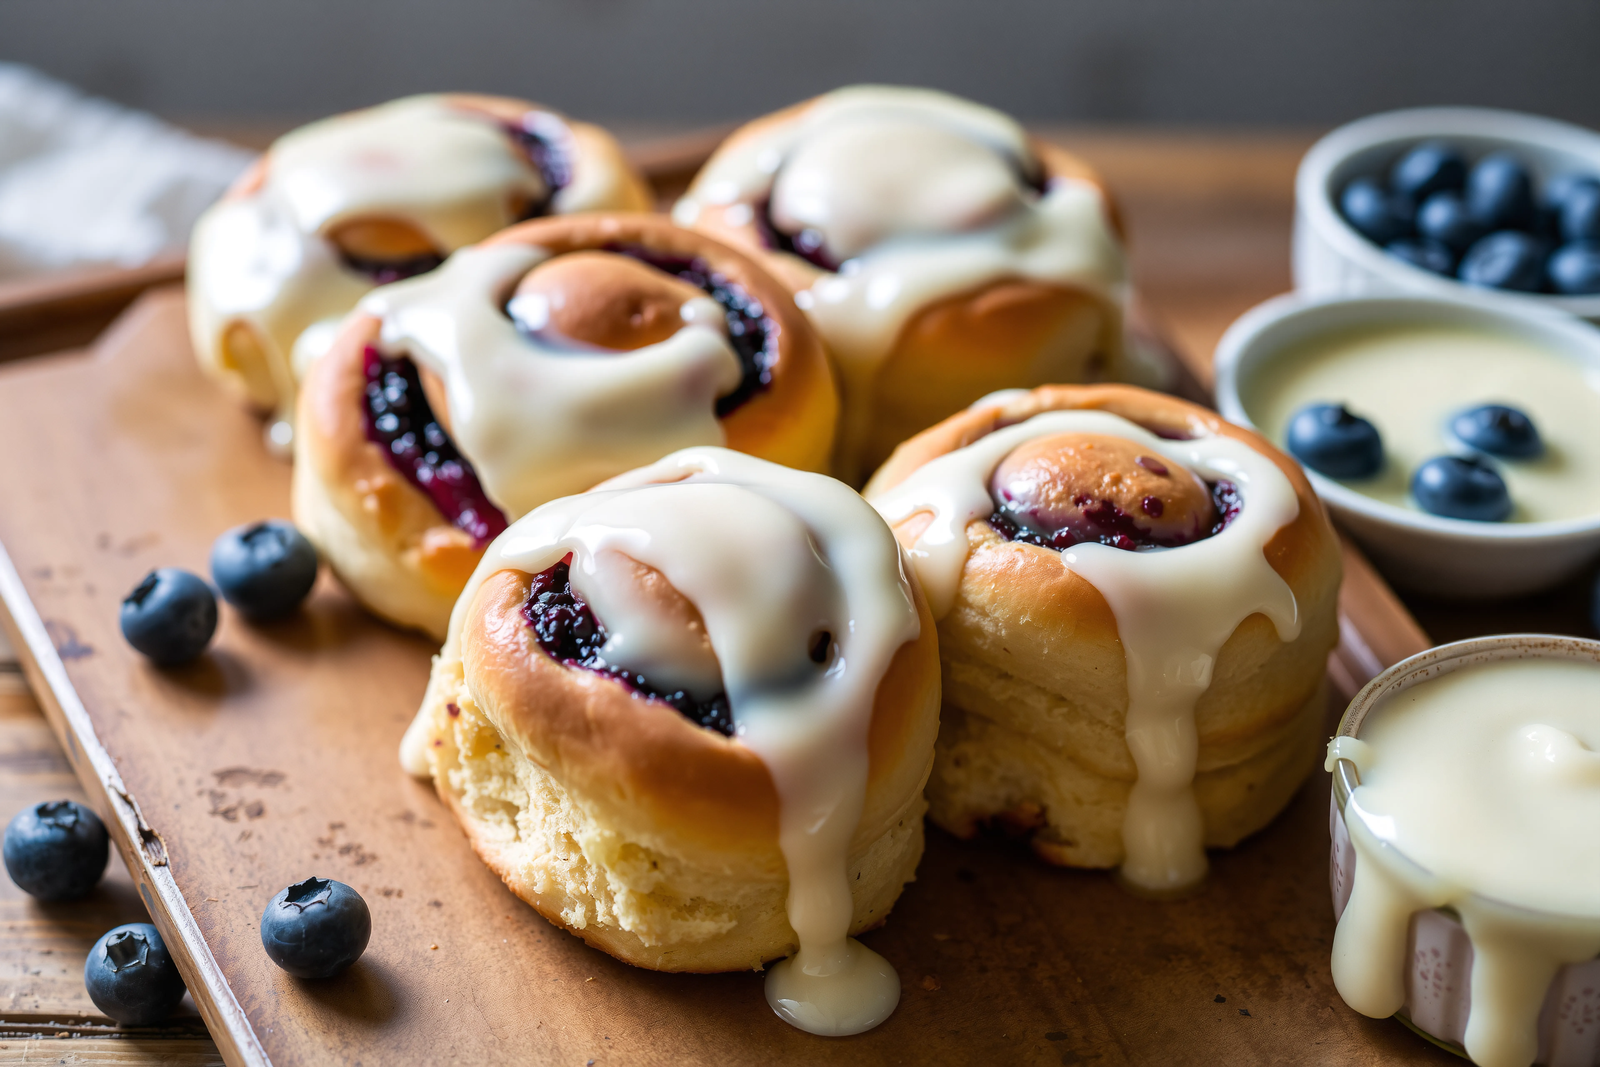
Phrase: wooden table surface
{"type": "Point", "coordinates": [1209, 222]}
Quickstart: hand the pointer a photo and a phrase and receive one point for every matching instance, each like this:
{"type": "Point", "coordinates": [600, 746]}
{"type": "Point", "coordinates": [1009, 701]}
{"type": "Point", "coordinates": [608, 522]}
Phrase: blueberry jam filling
{"type": "Point", "coordinates": [400, 420]}
{"type": "Point", "coordinates": [1109, 525]}
{"type": "Point", "coordinates": [384, 271]}
{"type": "Point", "coordinates": [546, 141]}
{"type": "Point", "coordinates": [751, 331]}
{"type": "Point", "coordinates": [570, 634]}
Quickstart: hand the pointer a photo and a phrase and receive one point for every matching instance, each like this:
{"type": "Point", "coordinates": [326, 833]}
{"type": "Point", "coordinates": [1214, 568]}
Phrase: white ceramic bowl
{"type": "Point", "coordinates": [1332, 258]}
{"type": "Point", "coordinates": [1447, 557]}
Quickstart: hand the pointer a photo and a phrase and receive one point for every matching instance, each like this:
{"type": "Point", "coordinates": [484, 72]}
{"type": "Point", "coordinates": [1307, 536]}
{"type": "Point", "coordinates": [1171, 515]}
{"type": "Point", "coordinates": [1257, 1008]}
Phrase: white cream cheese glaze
{"type": "Point", "coordinates": [921, 196]}
{"type": "Point", "coordinates": [1479, 791]}
{"type": "Point", "coordinates": [1175, 607]}
{"type": "Point", "coordinates": [539, 418]}
{"type": "Point", "coordinates": [770, 557]}
{"type": "Point", "coordinates": [264, 258]}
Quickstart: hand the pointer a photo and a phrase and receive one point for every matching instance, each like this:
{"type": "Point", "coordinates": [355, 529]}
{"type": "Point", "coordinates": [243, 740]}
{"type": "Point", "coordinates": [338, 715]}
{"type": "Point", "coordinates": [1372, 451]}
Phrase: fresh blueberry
{"type": "Point", "coordinates": [1424, 253]}
{"type": "Point", "coordinates": [1371, 211]}
{"type": "Point", "coordinates": [1505, 260]}
{"type": "Point", "coordinates": [131, 977]}
{"type": "Point", "coordinates": [1574, 269]}
{"type": "Point", "coordinates": [264, 569]}
{"type": "Point", "coordinates": [1498, 430]}
{"type": "Point", "coordinates": [316, 928]}
{"type": "Point", "coordinates": [1500, 193]}
{"type": "Point", "coordinates": [170, 616]}
{"type": "Point", "coordinates": [1444, 218]}
{"type": "Point", "coordinates": [1580, 212]}
{"type": "Point", "coordinates": [1461, 487]}
{"type": "Point", "coordinates": [1331, 441]}
{"type": "Point", "coordinates": [56, 850]}
{"type": "Point", "coordinates": [1426, 169]}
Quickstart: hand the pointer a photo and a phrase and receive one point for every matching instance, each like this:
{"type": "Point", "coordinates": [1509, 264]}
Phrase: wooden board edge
{"type": "Point", "coordinates": [140, 846]}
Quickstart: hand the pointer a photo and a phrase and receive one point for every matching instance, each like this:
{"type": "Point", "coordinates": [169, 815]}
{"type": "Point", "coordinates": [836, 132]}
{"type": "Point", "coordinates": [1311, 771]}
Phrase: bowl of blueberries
{"type": "Point", "coordinates": [1453, 201]}
{"type": "Point", "coordinates": [1457, 441]}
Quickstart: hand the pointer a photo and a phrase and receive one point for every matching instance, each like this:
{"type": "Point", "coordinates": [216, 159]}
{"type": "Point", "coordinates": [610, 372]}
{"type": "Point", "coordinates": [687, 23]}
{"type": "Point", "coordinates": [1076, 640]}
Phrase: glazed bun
{"type": "Point", "coordinates": [1136, 600]}
{"type": "Point", "coordinates": [339, 206]}
{"type": "Point", "coordinates": [942, 253]}
{"type": "Point", "coordinates": [555, 355]}
{"type": "Point", "coordinates": [580, 719]}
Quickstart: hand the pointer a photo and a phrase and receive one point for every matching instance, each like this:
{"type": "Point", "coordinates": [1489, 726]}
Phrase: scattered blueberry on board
{"type": "Point", "coordinates": [316, 928]}
{"type": "Point", "coordinates": [170, 616]}
{"type": "Point", "coordinates": [1498, 430]}
{"type": "Point", "coordinates": [1487, 223]}
{"type": "Point", "coordinates": [1461, 487]}
{"type": "Point", "coordinates": [1332, 441]}
{"type": "Point", "coordinates": [265, 569]}
{"type": "Point", "coordinates": [131, 977]}
{"type": "Point", "coordinates": [56, 850]}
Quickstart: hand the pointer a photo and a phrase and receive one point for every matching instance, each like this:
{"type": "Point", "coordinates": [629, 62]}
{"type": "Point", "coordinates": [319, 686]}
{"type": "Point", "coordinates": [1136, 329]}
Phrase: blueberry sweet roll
{"type": "Point", "coordinates": [555, 355]}
{"type": "Point", "coordinates": [342, 205]}
{"type": "Point", "coordinates": [1136, 601]}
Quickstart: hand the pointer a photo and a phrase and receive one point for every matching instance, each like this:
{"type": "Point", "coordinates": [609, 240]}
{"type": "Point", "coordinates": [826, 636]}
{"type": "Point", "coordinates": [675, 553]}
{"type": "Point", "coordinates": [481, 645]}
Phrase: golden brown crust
{"type": "Point", "coordinates": [1034, 663]}
{"type": "Point", "coordinates": [692, 784]}
{"type": "Point", "coordinates": [609, 300]}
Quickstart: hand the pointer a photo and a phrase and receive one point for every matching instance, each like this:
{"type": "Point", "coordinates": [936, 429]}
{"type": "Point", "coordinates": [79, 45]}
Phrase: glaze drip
{"type": "Point", "coordinates": [400, 421]}
{"type": "Point", "coordinates": [567, 630]}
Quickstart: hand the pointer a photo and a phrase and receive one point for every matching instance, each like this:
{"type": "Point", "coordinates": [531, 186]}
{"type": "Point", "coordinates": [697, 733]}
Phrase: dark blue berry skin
{"type": "Point", "coordinates": [170, 616]}
{"type": "Point", "coordinates": [316, 928]}
{"type": "Point", "coordinates": [265, 569]}
{"type": "Point", "coordinates": [1574, 269]}
{"type": "Point", "coordinates": [1331, 441]}
{"type": "Point", "coordinates": [56, 850]}
{"type": "Point", "coordinates": [1505, 260]}
{"type": "Point", "coordinates": [1580, 212]}
{"type": "Point", "coordinates": [1444, 218]}
{"type": "Point", "coordinates": [1500, 193]}
{"type": "Point", "coordinates": [1423, 253]}
{"type": "Point", "coordinates": [1428, 168]}
{"type": "Point", "coordinates": [131, 977]}
{"type": "Point", "coordinates": [1594, 606]}
{"type": "Point", "coordinates": [1368, 208]}
{"type": "Point", "coordinates": [1498, 430]}
{"type": "Point", "coordinates": [1461, 487]}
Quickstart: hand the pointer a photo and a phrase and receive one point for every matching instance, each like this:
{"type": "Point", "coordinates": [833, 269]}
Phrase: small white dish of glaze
{"type": "Point", "coordinates": [1408, 364]}
{"type": "Point", "coordinates": [1465, 867]}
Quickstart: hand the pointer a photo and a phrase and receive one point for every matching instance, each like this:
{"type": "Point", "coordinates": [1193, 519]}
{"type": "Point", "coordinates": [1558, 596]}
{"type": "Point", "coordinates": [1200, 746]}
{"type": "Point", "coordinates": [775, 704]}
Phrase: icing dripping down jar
{"type": "Point", "coordinates": [1465, 866]}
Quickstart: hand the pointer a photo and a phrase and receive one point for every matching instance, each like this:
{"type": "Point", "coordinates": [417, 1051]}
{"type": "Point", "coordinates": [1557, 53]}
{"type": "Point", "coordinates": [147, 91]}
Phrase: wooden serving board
{"type": "Point", "coordinates": [274, 757]}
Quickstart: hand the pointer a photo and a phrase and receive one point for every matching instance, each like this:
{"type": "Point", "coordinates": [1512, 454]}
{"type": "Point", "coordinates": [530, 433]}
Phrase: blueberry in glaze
{"type": "Point", "coordinates": [1499, 193]}
{"type": "Point", "coordinates": [568, 632]}
{"type": "Point", "coordinates": [1580, 212]}
{"type": "Point", "coordinates": [130, 976]}
{"type": "Point", "coordinates": [400, 421]}
{"type": "Point", "coordinates": [1427, 168]}
{"type": "Point", "coordinates": [1424, 253]}
{"type": "Point", "coordinates": [1444, 218]}
{"type": "Point", "coordinates": [1332, 441]}
{"type": "Point", "coordinates": [1498, 430]}
{"type": "Point", "coordinates": [56, 850]}
{"type": "Point", "coordinates": [1574, 269]}
{"type": "Point", "coordinates": [1368, 207]}
{"type": "Point", "coordinates": [265, 569]}
{"type": "Point", "coordinates": [1461, 487]}
{"type": "Point", "coordinates": [316, 928]}
{"type": "Point", "coordinates": [752, 333]}
{"type": "Point", "coordinates": [1507, 259]}
{"type": "Point", "coordinates": [169, 616]}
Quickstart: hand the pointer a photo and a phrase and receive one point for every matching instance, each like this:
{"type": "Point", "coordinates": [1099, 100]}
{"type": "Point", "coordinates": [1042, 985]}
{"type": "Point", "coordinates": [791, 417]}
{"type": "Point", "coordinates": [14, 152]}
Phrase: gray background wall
{"type": "Point", "coordinates": [1202, 62]}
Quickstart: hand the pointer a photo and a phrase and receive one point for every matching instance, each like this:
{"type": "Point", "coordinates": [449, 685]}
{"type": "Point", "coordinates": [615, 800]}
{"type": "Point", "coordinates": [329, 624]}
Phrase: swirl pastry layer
{"type": "Point", "coordinates": [554, 355]}
{"type": "Point", "coordinates": [688, 714]}
{"type": "Point", "coordinates": [1136, 601]}
{"type": "Point", "coordinates": [339, 206]}
{"type": "Point", "coordinates": [941, 252]}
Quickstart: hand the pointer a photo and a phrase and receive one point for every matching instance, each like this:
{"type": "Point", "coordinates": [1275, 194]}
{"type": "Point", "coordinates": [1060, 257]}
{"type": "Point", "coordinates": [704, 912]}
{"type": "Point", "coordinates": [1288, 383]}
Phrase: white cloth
{"type": "Point", "coordinates": [85, 181]}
